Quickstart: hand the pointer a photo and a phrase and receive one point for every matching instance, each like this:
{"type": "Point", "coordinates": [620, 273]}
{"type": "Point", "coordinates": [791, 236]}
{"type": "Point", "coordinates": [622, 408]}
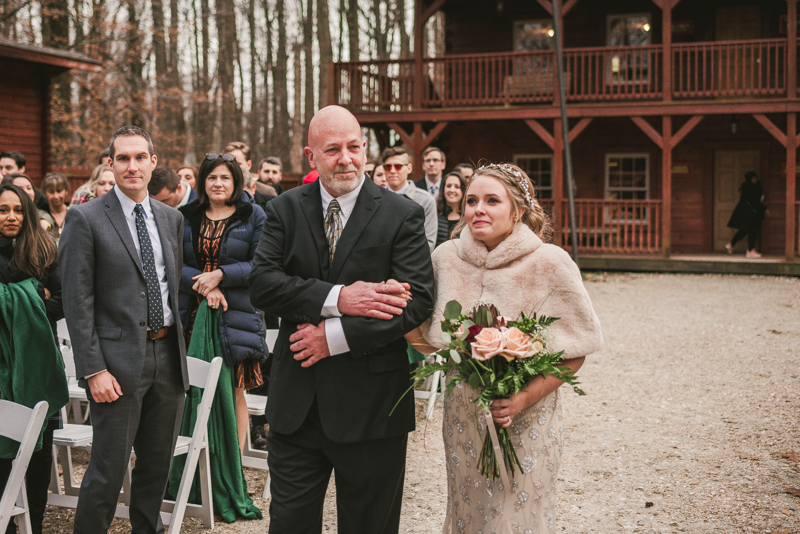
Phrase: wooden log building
{"type": "Point", "coordinates": [25, 124]}
{"type": "Point", "coordinates": [670, 103]}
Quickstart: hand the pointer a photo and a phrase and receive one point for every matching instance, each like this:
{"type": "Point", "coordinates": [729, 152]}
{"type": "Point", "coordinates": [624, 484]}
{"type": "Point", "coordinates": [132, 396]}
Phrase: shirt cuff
{"type": "Point", "coordinates": [331, 306]}
{"type": "Point", "coordinates": [334, 335]}
{"type": "Point", "coordinates": [87, 377]}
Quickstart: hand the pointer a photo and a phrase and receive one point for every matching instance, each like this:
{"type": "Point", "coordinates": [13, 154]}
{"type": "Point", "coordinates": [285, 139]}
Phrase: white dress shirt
{"type": "Point", "coordinates": [128, 206]}
{"type": "Point", "coordinates": [334, 333]}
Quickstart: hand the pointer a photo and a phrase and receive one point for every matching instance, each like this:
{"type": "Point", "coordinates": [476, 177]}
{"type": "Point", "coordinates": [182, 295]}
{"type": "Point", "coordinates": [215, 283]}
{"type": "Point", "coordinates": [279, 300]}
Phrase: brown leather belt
{"type": "Point", "coordinates": [158, 334]}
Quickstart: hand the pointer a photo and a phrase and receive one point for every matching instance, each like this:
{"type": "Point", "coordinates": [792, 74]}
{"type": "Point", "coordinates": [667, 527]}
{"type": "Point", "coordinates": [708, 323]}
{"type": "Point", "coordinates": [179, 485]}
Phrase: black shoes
{"type": "Point", "coordinates": [258, 437]}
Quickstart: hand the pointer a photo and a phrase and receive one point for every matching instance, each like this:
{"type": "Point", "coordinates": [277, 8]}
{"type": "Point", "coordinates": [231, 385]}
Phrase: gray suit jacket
{"type": "Point", "coordinates": [428, 203]}
{"type": "Point", "coordinates": [104, 291]}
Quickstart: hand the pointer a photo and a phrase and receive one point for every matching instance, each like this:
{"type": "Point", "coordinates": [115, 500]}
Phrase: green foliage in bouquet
{"type": "Point", "coordinates": [498, 375]}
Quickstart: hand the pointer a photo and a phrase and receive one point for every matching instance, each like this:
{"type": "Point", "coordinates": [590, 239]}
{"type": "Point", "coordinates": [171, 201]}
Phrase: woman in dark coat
{"type": "Point", "coordinates": [221, 232]}
{"type": "Point", "coordinates": [448, 203]}
{"type": "Point", "coordinates": [747, 215]}
{"type": "Point", "coordinates": [27, 251]}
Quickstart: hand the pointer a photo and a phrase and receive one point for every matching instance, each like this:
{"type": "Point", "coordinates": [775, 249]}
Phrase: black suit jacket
{"type": "Point", "coordinates": [421, 183]}
{"type": "Point", "coordinates": [384, 238]}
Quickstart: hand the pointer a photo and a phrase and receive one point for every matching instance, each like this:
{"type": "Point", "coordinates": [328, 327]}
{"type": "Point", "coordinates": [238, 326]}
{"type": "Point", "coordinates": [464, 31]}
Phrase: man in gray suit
{"type": "Point", "coordinates": [121, 258]}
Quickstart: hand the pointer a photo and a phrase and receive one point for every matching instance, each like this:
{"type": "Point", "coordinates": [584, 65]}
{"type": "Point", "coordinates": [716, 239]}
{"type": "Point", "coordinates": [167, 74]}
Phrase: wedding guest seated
{"type": "Point", "coordinates": [397, 165]}
{"type": "Point", "coordinates": [166, 187]}
{"type": "Point", "coordinates": [55, 187]}
{"type": "Point", "coordinates": [100, 182]}
{"type": "Point", "coordinates": [448, 203]}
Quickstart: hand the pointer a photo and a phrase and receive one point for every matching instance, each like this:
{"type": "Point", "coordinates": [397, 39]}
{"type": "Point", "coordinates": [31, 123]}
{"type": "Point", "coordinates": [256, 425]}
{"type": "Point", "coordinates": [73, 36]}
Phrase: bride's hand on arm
{"type": "Point", "coordinates": [417, 340]}
{"type": "Point", "coordinates": [504, 410]}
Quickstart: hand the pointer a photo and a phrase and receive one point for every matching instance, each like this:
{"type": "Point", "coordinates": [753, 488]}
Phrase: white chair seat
{"type": "Point", "coordinates": [77, 392]}
{"type": "Point", "coordinates": [256, 404]}
{"type": "Point", "coordinates": [182, 445]}
{"type": "Point", "coordinates": [73, 436]}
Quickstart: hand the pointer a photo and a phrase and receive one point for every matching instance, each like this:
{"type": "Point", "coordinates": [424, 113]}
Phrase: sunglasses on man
{"type": "Point", "coordinates": [397, 166]}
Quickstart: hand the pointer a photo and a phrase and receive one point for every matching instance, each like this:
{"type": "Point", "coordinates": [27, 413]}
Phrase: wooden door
{"type": "Point", "coordinates": [737, 71]}
{"type": "Point", "coordinates": [729, 169]}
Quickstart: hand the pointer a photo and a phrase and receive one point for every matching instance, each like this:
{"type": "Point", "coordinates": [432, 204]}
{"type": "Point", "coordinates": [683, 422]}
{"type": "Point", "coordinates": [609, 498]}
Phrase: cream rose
{"type": "Point", "coordinates": [488, 344]}
{"type": "Point", "coordinates": [517, 343]}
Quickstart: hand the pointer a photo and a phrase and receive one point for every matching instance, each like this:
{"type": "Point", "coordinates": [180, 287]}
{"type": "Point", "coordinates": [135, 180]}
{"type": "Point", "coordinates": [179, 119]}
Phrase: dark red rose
{"type": "Point", "coordinates": [474, 330]}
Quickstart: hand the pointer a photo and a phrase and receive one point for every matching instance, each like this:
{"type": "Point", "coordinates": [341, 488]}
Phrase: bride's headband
{"type": "Point", "coordinates": [511, 170]}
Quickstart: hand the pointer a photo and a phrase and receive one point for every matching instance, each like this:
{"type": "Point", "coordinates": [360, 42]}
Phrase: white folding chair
{"type": "Point", "coordinates": [77, 394]}
{"type": "Point", "coordinates": [436, 383]}
{"type": "Point", "coordinates": [23, 425]}
{"type": "Point", "coordinates": [202, 375]}
{"type": "Point", "coordinates": [64, 440]}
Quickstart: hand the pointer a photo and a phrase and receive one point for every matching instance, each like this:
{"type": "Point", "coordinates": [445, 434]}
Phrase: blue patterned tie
{"type": "Point", "coordinates": [333, 227]}
{"type": "Point", "coordinates": [155, 309]}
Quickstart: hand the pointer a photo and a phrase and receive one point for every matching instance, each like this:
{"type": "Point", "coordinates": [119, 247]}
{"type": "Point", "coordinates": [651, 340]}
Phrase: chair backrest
{"type": "Point", "coordinates": [21, 424]}
{"type": "Point", "coordinates": [69, 363]}
{"type": "Point", "coordinates": [63, 333]}
{"type": "Point", "coordinates": [203, 375]}
{"type": "Point", "coordinates": [272, 337]}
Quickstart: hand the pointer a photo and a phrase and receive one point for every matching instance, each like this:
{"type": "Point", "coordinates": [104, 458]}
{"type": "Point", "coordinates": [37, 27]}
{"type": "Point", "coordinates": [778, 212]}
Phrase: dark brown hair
{"type": "Point", "coordinates": [209, 165]}
{"type": "Point", "coordinates": [441, 202]}
{"type": "Point", "coordinates": [55, 181]}
{"type": "Point", "coordinates": [34, 249]}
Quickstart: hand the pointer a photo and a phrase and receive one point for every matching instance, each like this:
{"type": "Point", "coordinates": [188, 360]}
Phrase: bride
{"type": "Point", "coordinates": [499, 258]}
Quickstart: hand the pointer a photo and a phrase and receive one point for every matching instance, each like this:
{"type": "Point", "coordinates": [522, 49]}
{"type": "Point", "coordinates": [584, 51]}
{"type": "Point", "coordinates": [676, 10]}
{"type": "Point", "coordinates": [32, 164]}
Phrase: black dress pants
{"type": "Point", "coordinates": [37, 479]}
{"type": "Point", "coordinates": [369, 481]}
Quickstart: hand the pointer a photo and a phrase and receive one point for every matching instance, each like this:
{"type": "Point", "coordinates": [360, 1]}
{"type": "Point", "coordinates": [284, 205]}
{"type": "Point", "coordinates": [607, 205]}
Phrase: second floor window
{"type": "Point", "coordinates": [628, 30]}
{"type": "Point", "coordinates": [540, 170]}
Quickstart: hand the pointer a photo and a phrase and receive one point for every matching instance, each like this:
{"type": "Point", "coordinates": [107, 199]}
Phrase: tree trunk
{"type": "Point", "coordinates": [310, 103]}
{"type": "Point", "coordinates": [352, 29]}
{"type": "Point", "coordinates": [55, 34]}
{"type": "Point", "coordinates": [267, 117]}
{"type": "Point", "coordinates": [254, 118]}
{"type": "Point", "coordinates": [178, 122]}
{"type": "Point", "coordinates": [325, 53]}
{"type": "Point", "coordinates": [281, 88]}
{"type": "Point", "coordinates": [202, 113]}
{"type": "Point", "coordinates": [297, 123]}
{"type": "Point", "coordinates": [405, 39]}
{"type": "Point", "coordinates": [226, 32]}
{"type": "Point", "coordinates": [135, 66]}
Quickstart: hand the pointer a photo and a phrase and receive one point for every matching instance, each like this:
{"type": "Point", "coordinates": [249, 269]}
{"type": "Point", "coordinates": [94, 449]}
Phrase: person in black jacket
{"type": "Point", "coordinates": [747, 215]}
{"type": "Point", "coordinates": [27, 251]}
{"type": "Point", "coordinates": [220, 235]}
{"type": "Point", "coordinates": [327, 262]}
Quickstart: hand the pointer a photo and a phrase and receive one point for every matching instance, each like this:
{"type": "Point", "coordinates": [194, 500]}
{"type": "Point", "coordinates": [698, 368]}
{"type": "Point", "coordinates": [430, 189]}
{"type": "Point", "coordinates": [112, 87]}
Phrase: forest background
{"type": "Point", "coordinates": [198, 74]}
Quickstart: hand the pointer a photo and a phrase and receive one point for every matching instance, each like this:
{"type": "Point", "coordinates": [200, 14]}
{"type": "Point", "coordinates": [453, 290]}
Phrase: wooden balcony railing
{"type": "Point", "coordinates": [797, 228]}
{"type": "Point", "coordinates": [755, 68]}
{"type": "Point", "coordinates": [611, 226]}
{"type": "Point", "coordinates": [729, 68]}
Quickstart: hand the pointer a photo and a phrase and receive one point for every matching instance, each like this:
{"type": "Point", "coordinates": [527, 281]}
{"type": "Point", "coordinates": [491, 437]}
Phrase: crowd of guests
{"type": "Point", "coordinates": [223, 202]}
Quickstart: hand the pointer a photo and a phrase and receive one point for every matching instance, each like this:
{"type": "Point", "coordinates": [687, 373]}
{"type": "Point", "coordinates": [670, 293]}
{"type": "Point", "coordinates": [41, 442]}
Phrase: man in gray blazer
{"type": "Point", "coordinates": [397, 164]}
{"type": "Point", "coordinates": [121, 258]}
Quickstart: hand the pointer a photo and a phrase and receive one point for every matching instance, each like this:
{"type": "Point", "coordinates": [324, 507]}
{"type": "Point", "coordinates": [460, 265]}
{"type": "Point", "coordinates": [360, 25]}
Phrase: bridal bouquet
{"type": "Point", "coordinates": [497, 356]}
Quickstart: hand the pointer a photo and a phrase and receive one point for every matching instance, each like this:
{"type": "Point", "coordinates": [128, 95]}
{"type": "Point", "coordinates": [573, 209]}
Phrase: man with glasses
{"type": "Point", "coordinates": [398, 166]}
{"type": "Point", "coordinates": [433, 162]}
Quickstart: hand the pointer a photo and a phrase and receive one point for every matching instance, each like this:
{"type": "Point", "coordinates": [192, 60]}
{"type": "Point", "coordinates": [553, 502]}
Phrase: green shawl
{"type": "Point", "coordinates": [228, 485]}
{"type": "Point", "coordinates": [31, 368]}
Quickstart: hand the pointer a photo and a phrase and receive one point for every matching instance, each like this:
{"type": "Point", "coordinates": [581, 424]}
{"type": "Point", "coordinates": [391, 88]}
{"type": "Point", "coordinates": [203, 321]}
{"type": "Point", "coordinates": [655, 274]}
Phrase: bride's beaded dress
{"type": "Point", "coordinates": [520, 275]}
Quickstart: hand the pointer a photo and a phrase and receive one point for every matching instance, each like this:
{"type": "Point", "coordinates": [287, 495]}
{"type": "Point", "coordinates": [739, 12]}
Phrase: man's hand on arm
{"type": "Point", "coordinates": [309, 343]}
{"type": "Point", "coordinates": [379, 301]}
{"type": "Point", "coordinates": [104, 387]}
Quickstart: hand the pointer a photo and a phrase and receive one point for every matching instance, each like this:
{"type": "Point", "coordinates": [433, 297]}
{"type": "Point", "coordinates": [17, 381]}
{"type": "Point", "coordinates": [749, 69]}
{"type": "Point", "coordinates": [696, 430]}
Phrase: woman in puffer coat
{"type": "Point", "coordinates": [221, 232]}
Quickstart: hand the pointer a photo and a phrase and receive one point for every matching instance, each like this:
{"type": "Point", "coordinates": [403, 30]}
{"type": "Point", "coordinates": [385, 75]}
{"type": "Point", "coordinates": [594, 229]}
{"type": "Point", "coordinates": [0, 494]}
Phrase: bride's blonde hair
{"type": "Point", "coordinates": [521, 192]}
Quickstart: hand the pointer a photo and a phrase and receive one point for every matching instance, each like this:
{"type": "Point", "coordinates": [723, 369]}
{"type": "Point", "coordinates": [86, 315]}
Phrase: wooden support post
{"type": "Point", "coordinates": [791, 182]}
{"type": "Point", "coordinates": [666, 185]}
{"type": "Point", "coordinates": [419, 26]}
{"type": "Point", "coordinates": [417, 148]}
{"type": "Point", "coordinates": [791, 50]}
{"type": "Point", "coordinates": [558, 180]}
{"type": "Point", "coordinates": [666, 38]}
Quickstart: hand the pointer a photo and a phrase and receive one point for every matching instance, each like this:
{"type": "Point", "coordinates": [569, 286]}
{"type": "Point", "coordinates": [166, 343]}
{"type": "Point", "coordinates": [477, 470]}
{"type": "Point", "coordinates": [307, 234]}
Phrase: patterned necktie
{"type": "Point", "coordinates": [333, 227]}
{"type": "Point", "coordinates": [155, 309]}
{"type": "Point", "coordinates": [434, 189]}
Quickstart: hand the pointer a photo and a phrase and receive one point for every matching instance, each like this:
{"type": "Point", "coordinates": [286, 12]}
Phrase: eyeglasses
{"type": "Point", "coordinates": [215, 155]}
{"type": "Point", "coordinates": [397, 166]}
{"type": "Point", "coordinates": [431, 161]}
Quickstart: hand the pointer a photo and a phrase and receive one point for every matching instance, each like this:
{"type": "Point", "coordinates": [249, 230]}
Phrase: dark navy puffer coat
{"type": "Point", "coordinates": [241, 328]}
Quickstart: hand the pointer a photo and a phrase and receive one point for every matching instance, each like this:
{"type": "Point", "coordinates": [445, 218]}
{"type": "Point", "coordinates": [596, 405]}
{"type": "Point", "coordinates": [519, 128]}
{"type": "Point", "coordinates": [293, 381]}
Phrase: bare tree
{"type": "Point", "coordinates": [325, 53]}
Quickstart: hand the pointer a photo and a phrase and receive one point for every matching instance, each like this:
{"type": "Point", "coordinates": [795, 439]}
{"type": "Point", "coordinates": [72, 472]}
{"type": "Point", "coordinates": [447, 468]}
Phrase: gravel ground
{"type": "Point", "coordinates": [690, 422]}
